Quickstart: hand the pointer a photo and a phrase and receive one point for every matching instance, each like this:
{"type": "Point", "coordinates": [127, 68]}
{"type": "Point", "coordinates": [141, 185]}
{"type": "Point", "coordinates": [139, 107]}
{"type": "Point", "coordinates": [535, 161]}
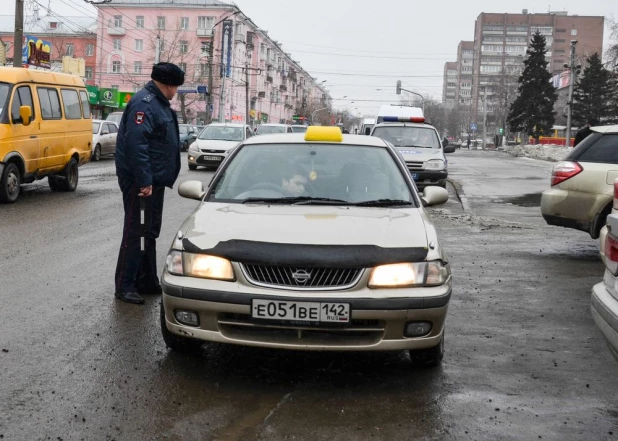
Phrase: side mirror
{"type": "Point", "coordinates": [25, 112]}
{"type": "Point", "coordinates": [192, 190]}
{"type": "Point", "coordinates": [449, 149]}
{"type": "Point", "coordinates": [434, 196]}
{"type": "Point", "coordinates": [445, 143]}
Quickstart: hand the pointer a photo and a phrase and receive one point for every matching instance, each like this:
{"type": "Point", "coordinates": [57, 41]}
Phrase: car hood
{"type": "Point", "coordinates": [213, 223]}
{"type": "Point", "coordinates": [420, 155]}
{"type": "Point", "coordinates": [216, 145]}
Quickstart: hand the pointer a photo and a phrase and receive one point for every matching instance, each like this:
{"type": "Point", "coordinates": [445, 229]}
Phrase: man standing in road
{"type": "Point", "coordinates": [147, 161]}
{"type": "Point", "coordinates": [583, 133]}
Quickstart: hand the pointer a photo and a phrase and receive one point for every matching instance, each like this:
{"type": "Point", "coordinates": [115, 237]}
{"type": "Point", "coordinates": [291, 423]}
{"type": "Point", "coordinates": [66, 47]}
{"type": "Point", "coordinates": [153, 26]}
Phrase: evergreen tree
{"type": "Point", "coordinates": [594, 93]}
{"type": "Point", "coordinates": [533, 110]}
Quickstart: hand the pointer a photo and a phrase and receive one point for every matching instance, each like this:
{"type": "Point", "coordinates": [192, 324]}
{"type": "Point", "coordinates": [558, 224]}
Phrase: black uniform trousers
{"type": "Point", "coordinates": [136, 270]}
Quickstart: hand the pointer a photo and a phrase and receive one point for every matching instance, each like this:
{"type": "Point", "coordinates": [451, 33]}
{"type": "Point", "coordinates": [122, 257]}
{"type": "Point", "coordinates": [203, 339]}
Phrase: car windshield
{"type": "Point", "coordinates": [221, 133]}
{"type": "Point", "coordinates": [267, 130]}
{"type": "Point", "coordinates": [299, 129]}
{"type": "Point", "coordinates": [408, 136]}
{"type": "Point", "coordinates": [315, 173]}
{"type": "Point", "coordinates": [4, 95]}
{"type": "Point", "coordinates": [95, 127]}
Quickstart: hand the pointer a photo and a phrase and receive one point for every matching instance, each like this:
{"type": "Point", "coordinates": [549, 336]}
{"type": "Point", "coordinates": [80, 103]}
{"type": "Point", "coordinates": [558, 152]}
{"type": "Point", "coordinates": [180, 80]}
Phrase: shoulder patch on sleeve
{"type": "Point", "coordinates": [148, 98]}
{"type": "Point", "coordinates": [139, 117]}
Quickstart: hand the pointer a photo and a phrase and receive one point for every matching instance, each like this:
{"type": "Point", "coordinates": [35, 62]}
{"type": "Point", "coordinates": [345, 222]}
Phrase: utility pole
{"type": "Point", "coordinates": [484, 117]}
{"type": "Point", "coordinates": [18, 36]}
{"type": "Point", "coordinates": [571, 86]}
{"type": "Point", "coordinates": [247, 92]}
{"type": "Point", "coordinates": [224, 66]}
{"type": "Point", "coordinates": [211, 53]}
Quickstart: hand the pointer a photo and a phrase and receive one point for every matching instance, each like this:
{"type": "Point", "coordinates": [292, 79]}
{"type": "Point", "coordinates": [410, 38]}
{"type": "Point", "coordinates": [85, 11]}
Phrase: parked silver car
{"type": "Point", "coordinates": [104, 135]}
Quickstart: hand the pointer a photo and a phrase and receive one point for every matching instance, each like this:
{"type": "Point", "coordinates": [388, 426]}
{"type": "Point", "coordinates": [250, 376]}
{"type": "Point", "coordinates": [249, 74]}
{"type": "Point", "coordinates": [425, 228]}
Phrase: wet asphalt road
{"type": "Point", "coordinates": [523, 360]}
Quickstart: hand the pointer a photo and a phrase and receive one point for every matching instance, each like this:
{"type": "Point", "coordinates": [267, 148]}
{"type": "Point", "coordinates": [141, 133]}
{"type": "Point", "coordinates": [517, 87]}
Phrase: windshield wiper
{"type": "Point", "coordinates": [297, 200]}
{"type": "Point", "coordinates": [384, 203]}
{"type": "Point", "coordinates": [417, 146]}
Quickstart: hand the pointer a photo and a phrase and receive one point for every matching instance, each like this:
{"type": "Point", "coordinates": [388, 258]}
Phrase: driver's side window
{"type": "Point", "coordinates": [21, 97]}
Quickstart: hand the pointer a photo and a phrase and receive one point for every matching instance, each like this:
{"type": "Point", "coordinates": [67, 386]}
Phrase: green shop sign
{"type": "Point", "coordinates": [93, 95]}
{"type": "Point", "coordinates": [108, 97]}
{"type": "Point", "coordinates": [124, 98]}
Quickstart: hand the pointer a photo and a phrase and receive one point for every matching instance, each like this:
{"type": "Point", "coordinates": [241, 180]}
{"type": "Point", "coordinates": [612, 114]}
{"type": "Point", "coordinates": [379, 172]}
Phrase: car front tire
{"type": "Point", "coordinates": [97, 153]}
{"type": "Point", "coordinates": [427, 358]}
{"type": "Point", "coordinates": [192, 167]}
{"type": "Point", "coordinates": [10, 184]}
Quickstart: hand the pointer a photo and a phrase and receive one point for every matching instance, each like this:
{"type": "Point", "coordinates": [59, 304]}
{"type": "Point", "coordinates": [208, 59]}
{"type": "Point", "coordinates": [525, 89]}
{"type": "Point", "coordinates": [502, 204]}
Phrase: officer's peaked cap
{"type": "Point", "coordinates": [168, 73]}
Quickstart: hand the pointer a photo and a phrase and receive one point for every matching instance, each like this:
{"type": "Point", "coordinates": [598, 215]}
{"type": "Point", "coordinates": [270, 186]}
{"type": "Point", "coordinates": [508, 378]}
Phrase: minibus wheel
{"type": "Point", "coordinates": [10, 184]}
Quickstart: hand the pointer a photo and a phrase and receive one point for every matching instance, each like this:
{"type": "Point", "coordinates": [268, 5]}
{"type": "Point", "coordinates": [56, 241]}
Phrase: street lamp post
{"type": "Point", "coordinates": [316, 111]}
{"type": "Point", "coordinates": [399, 89]}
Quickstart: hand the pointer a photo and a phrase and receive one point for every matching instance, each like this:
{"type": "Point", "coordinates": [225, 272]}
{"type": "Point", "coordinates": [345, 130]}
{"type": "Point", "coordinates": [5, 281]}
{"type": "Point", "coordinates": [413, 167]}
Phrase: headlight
{"type": "Point", "coordinates": [199, 265]}
{"type": "Point", "coordinates": [435, 164]}
{"type": "Point", "coordinates": [193, 146]}
{"type": "Point", "coordinates": [401, 275]}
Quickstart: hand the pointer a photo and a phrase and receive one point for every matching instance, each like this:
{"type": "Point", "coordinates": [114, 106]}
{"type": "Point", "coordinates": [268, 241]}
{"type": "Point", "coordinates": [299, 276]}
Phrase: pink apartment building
{"type": "Point", "coordinates": [131, 32]}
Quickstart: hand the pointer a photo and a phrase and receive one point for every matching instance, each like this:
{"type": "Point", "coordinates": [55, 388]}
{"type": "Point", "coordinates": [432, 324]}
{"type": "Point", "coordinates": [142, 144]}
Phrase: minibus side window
{"type": "Point", "coordinates": [21, 97]}
{"type": "Point", "coordinates": [50, 103]}
{"type": "Point", "coordinates": [85, 103]}
{"type": "Point", "coordinates": [70, 100]}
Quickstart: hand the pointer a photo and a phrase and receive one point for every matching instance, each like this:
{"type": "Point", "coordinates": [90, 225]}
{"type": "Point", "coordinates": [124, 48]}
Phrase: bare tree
{"type": "Point", "coordinates": [611, 55]}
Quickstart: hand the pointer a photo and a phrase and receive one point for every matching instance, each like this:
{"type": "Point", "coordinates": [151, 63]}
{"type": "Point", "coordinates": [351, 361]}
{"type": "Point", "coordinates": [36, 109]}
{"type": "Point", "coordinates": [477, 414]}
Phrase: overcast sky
{"type": "Point", "coordinates": [360, 46]}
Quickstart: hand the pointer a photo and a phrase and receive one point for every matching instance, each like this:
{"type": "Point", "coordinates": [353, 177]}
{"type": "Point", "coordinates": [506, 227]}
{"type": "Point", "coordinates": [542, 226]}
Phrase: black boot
{"type": "Point", "coordinates": [130, 297]}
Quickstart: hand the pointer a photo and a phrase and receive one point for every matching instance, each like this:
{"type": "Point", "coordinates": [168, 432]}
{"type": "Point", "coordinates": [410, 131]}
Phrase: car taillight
{"type": "Point", "coordinates": [615, 192]}
{"type": "Point", "coordinates": [565, 170]}
{"type": "Point", "coordinates": [611, 254]}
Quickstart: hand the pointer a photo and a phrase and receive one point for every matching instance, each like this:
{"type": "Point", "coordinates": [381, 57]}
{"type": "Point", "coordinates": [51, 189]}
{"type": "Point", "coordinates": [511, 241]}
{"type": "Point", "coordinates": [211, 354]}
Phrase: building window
{"type": "Point", "coordinates": [545, 30]}
{"type": "Point", "coordinates": [116, 67]}
{"type": "Point", "coordinates": [160, 22]}
{"type": "Point", "coordinates": [184, 23]}
{"type": "Point", "coordinates": [493, 28]}
{"type": "Point", "coordinates": [117, 44]}
{"type": "Point", "coordinates": [53, 25]}
{"type": "Point", "coordinates": [137, 67]}
{"type": "Point", "coordinates": [184, 47]}
{"type": "Point", "coordinates": [139, 45]}
{"type": "Point", "coordinates": [89, 73]}
{"type": "Point", "coordinates": [560, 30]}
{"type": "Point", "coordinates": [139, 21]}
{"type": "Point", "coordinates": [70, 50]}
{"type": "Point", "coordinates": [117, 21]}
{"type": "Point", "coordinates": [89, 50]}
{"type": "Point", "coordinates": [205, 22]}
{"type": "Point", "coordinates": [183, 67]}
{"type": "Point", "coordinates": [573, 32]}
{"type": "Point", "coordinates": [204, 70]}
{"type": "Point", "coordinates": [517, 29]}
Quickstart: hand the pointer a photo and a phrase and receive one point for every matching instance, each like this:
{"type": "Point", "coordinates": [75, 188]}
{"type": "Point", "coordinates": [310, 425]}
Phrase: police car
{"type": "Point", "coordinates": [418, 142]}
{"type": "Point", "coordinates": [315, 241]}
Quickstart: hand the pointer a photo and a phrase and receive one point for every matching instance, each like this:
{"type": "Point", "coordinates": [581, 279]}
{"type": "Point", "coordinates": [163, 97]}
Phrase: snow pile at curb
{"type": "Point", "coordinates": [552, 153]}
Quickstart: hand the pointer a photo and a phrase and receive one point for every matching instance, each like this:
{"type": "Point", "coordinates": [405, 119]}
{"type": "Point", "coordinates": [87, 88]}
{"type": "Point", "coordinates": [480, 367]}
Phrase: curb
{"type": "Point", "coordinates": [465, 204]}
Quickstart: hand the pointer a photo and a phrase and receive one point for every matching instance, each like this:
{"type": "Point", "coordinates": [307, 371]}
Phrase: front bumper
{"type": "Point", "coordinates": [427, 178]}
{"type": "Point", "coordinates": [205, 159]}
{"type": "Point", "coordinates": [604, 310]}
{"type": "Point", "coordinates": [377, 322]}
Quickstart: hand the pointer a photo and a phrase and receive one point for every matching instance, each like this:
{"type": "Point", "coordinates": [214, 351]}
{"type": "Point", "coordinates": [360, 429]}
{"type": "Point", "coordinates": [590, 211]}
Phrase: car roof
{"type": "Point", "coordinates": [404, 124]}
{"type": "Point", "coordinates": [104, 121]}
{"type": "Point", "coordinates": [274, 125]}
{"type": "Point", "coordinates": [605, 129]}
{"type": "Point", "coordinates": [226, 125]}
{"type": "Point", "coordinates": [299, 138]}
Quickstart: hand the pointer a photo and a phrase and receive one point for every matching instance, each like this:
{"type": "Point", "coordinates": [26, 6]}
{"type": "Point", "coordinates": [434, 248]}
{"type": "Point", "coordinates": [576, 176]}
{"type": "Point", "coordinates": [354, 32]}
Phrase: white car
{"type": "Point", "coordinates": [315, 241]}
{"type": "Point", "coordinates": [104, 134]}
{"type": "Point", "coordinates": [214, 142]}
{"type": "Point", "coordinates": [272, 129]}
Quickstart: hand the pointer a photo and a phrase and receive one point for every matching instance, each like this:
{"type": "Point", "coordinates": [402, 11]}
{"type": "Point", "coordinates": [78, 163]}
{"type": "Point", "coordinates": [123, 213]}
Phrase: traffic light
{"type": "Point", "coordinates": [399, 87]}
{"type": "Point", "coordinates": [500, 131]}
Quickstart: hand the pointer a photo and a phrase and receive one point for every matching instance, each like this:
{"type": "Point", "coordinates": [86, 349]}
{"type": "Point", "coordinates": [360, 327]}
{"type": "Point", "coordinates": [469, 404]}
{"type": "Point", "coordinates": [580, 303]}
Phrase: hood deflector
{"type": "Point", "coordinates": [323, 256]}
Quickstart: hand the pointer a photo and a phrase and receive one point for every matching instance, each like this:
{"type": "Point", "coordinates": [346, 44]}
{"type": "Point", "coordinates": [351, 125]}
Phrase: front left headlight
{"type": "Point", "coordinates": [435, 164]}
{"type": "Point", "coordinates": [414, 274]}
{"type": "Point", "coordinates": [203, 266]}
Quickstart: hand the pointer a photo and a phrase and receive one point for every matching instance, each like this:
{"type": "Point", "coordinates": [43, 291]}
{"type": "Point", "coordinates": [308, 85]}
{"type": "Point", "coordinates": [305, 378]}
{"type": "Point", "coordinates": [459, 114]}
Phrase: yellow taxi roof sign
{"type": "Point", "coordinates": [324, 134]}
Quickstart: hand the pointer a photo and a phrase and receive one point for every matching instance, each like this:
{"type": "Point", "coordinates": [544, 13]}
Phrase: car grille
{"type": "Point", "coordinates": [302, 278]}
{"type": "Point", "coordinates": [357, 333]}
{"type": "Point", "coordinates": [212, 151]}
{"type": "Point", "coordinates": [413, 165]}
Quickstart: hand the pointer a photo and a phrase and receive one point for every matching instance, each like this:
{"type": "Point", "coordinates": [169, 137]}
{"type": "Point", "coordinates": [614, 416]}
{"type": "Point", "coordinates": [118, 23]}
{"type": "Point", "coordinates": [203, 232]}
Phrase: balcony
{"type": "Point", "coordinates": [204, 32]}
{"type": "Point", "coordinates": [116, 30]}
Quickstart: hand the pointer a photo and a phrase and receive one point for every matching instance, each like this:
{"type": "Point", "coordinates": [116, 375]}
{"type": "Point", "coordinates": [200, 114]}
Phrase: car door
{"type": "Point", "coordinates": [104, 139]}
{"type": "Point", "coordinates": [25, 138]}
{"type": "Point", "coordinates": [113, 135]}
{"type": "Point", "coordinates": [53, 129]}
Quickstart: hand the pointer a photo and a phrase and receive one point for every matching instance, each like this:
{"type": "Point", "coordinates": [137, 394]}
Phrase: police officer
{"type": "Point", "coordinates": [147, 161]}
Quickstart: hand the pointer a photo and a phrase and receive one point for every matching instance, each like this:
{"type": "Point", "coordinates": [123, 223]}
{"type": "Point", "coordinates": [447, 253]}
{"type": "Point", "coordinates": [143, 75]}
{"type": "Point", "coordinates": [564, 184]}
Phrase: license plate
{"type": "Point", "coordinates": [300, 311]}
{"type": "Point", "coordinates": [415, 176]}
{"type": "Point", "coordinates": [212, 158]}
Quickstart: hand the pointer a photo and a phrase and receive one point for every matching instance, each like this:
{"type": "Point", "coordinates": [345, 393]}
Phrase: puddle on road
{"type": "Point", "coordinates": [526, 200]}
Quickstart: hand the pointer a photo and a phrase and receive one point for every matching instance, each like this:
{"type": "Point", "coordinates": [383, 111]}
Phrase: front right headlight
{"type": "Point", "coordinates": [203, 266]}
{"type": "Point", "coordinates": [413, 274]}
{"type": "Point", "coordinates": [435, 164]}
{"type": "Point", "coordinates": [193, 147]}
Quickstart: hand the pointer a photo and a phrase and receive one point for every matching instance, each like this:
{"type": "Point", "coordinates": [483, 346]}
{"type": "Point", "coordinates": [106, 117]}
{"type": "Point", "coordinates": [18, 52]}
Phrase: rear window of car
{"type": "Point", "coordinates": [597, 148]}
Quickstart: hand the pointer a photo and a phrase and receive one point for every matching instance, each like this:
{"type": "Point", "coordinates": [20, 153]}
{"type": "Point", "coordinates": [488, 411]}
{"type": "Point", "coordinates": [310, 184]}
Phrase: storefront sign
{"type": "Point", "coordinates": [36, 52]}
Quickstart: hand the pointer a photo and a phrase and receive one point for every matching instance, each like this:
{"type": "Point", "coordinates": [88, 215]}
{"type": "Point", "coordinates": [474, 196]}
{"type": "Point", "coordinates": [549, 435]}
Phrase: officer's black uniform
{"type": "Point", "coordinates": [147, 153]}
